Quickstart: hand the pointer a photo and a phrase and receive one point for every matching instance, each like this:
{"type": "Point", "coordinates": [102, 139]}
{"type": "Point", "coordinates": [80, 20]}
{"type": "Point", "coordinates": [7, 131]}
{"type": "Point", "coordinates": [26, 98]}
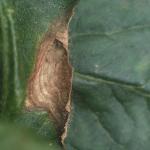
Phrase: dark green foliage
{"type": "Point", "coordinates": [110, 52]}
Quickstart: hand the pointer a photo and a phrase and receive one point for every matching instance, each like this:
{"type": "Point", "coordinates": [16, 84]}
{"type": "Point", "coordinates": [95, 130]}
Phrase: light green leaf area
{"type": "Point", "coordinates": [110, 52]}
{"type": "Point", "coordinates": [13, 137]}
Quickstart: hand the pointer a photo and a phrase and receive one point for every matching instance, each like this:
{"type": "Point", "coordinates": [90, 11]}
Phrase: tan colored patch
{"type": "Point", "coordinates": [49, 87]}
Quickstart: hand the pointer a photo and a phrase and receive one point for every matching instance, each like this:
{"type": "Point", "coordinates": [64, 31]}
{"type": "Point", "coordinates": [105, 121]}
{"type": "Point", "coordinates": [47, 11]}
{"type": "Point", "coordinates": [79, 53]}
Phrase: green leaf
{"type": "Point", "coordinates": [23, 25]}
{"type": "Point", "coordinates": [13, 137]}
{"type": "Point", "coordinates": [110, 51]}
{"type": "Point", "coordinates": [39, 123]}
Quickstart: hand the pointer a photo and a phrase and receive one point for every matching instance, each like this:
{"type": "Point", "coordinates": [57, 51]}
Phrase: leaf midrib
{"type": "Point", "coordinates": [111, 33]}
{"type": "Point", "coordinates": [136, 88]}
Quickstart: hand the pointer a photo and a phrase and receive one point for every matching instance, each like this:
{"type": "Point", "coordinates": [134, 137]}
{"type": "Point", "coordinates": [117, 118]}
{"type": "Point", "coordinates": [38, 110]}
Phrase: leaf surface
{"type": "Point", "coordinates": [23, 25]}
{"type": "Point", "coordinates": [110, 51]}
{"type": "Point", "coordinates": [14, 137]}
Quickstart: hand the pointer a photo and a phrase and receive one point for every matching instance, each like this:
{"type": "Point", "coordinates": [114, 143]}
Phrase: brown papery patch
{"type": "Point", "coordinates": [49, 86]}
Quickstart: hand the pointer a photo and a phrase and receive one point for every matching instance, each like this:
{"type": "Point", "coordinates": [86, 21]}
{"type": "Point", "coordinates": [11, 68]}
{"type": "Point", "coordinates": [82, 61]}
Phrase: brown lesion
{"type": "Point", "coordinates": [49, 86]}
